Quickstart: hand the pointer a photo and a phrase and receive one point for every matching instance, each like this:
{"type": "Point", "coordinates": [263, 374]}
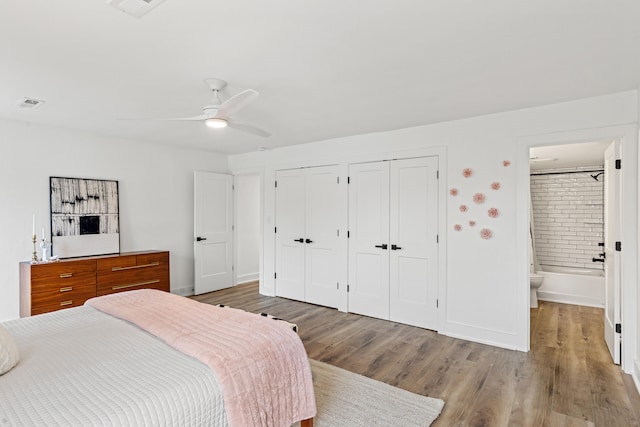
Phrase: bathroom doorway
{"type": "Point", "coordinates": [573, 227]}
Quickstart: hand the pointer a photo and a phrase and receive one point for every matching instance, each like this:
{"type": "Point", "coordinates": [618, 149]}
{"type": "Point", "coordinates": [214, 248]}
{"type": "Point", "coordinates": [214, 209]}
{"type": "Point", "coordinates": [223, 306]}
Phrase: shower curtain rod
{"type": "Point", "coordinates": [561, 173]}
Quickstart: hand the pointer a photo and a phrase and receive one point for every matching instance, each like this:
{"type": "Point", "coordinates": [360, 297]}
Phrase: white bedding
{"type": "Point", "coordinates": [81, 367]}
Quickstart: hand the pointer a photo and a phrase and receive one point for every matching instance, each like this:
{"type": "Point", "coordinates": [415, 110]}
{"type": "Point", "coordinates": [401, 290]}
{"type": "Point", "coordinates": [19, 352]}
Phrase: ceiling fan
{"type": "Point", "coordinates": [217, 114]}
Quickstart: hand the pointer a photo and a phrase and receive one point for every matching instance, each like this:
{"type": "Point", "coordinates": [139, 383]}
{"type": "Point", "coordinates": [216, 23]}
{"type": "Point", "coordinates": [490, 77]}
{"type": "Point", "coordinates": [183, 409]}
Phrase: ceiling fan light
{"type": "Point", "coordinates": [216, 123]}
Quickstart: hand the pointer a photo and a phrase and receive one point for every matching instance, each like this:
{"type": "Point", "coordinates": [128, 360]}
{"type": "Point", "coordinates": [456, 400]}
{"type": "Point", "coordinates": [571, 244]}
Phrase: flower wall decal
{"type": "Point", "coordinates": [472, 223]}
{"type": "Point", "coordinates": [493, 212]}
{"type": "Point", "coordinates": [478, 198]}
{"type": "Point", "coordinates": [463, 208]}
{"type": "Point", "coordinates": [457, 227]}
{"type": "Point", "coordinates": [453, 192]}
{"type": "Point", "coordinates": [486, 234]}
{"type": "Point", "coordinates": [467, 172]}
{"type": "Point", "coordinates": [495, 185]}
{"type": "Point", "coordinates": [506, 163]}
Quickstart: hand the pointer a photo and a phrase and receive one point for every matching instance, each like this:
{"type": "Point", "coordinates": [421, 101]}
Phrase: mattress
{"type": "Point", "coordinates": [81, 367]}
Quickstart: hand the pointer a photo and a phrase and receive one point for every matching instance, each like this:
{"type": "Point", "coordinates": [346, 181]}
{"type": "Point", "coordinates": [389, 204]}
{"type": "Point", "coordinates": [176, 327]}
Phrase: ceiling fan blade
{"type": "Point", "coordinates": [249, 129]}
{"type": "Point", "coordinates": [194, 118]}
{"type": "Point", "coordinates": [237, 102]}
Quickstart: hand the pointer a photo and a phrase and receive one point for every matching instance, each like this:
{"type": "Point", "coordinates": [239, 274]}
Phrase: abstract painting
{"type": "Point", "coordinates": [84, 217]}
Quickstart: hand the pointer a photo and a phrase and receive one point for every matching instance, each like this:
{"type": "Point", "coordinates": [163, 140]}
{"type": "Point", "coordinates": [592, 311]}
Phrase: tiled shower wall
{"type": "Point", "coordinates": [568, 214]}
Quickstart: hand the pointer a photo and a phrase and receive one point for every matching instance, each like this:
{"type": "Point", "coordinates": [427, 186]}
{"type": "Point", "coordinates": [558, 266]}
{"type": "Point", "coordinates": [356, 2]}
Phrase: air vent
{"type": "Point", "coordinates": [135, 8]}
{"type": "Point", "coordinates": [30, 103]}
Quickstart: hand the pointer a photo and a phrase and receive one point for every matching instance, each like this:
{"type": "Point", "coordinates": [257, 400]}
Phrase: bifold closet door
{"type": "Point", "coordinates": [290, 247]}
{"type": "Point", "coordinates": [307, 234]}
{"type": "Point", "coordinates": [368, 239]}
{"type": "Point", "coordinates": [413, 247]}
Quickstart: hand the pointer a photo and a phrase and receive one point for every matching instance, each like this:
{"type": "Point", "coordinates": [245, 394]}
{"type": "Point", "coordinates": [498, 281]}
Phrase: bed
{"type": "Point", "coordinates": [151, 358]}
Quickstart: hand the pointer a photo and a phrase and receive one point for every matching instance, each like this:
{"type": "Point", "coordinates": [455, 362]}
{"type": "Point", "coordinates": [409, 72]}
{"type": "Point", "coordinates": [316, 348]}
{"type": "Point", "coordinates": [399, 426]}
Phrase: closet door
{"type": "Point", "coordinates": [413, 279]}
{"type": "Point", "coordinates": [290, 234]}
{"type": "Point", "coordinates": [322, 215]}
{"type": "Point", "coordinates": [369, 238]}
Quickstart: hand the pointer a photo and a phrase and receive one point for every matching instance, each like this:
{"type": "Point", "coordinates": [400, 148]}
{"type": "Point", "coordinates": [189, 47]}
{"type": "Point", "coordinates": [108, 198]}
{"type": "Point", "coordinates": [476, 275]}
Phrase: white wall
{"type": "Point", "coordinates": [247, 227]}
{"type": "Point", "coordinates": [486, 290]}
{"type": "Point", "coordinates": [156, 194]}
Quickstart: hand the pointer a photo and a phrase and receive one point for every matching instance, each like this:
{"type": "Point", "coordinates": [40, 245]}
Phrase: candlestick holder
{"type": "Point", "coordinates": [34, 256]}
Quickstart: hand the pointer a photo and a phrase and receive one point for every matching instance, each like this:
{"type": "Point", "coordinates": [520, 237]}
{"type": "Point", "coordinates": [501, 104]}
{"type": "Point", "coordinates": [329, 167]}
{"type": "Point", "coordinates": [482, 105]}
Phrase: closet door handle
{"type": "Point", "coordinates": [200, 239]}
{"type": "Point", "coordinates": [308, 241]}
{"type": "Point", "coordinates": [383, 246]}
{"type": "Point", "coordinates": [395, 248]}
{"type": "Point", "coordinates": [299, 240]}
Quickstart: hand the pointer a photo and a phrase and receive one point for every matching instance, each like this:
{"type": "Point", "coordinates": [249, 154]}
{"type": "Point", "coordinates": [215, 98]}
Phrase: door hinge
{"type": "Point", "coordinates": [233, 186]}
{"type": "Point", "coordinates": [437, 238]}
{"type": "Point", "coordinates": [347, 288]}
{"type": "Point", "coordinates": [338, 179]}
{"type": "Point", "coordinates": [437, 303]}
{"type": "Point", "coordinates": [275, 229]}
{"type": "Point", "coordinates": [233, 228]}
{"type": "Point", "coordinates": [437, 174]}
{"type": "Point", "coordinates": [338, 232]}
{"type": "Point", "coordinates": [618, 328]}
{"type": "Point", "coordinates": [618, 163]}
{"type": "Point", "coordinates": [618, 246]}
{"type": "Point", "coordinates": [233, 267]}
{"type": "Point", "coordinates": [276, 184]}
{"type": "Point", "coordinates": [275, 275]}
{"type": "Point", "coordinates": [348, 234]}
{"type": "Point", "coordinates": [348, 180]}
{"type": "Point", "coordinates": [338, 286]}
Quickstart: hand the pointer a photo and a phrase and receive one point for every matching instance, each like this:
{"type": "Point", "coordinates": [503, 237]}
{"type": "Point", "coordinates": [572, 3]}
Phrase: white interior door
{"type": "Point", "coordinates": [369, 239]}
{"type": "Point", "coordinates": [612, 257]}
{"type": "Point", "coordinates": [413, 279]}
{"type": "Point", "coordinates": [290, 234]}
{"type": "Point", "coordinates": [213, 231]}
{"type": "Point", "coordinates": [322, 219]}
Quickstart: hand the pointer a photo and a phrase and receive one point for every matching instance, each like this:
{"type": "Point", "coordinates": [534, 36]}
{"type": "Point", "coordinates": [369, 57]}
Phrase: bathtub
{"type": "Point", "coordinates": [579, 286]}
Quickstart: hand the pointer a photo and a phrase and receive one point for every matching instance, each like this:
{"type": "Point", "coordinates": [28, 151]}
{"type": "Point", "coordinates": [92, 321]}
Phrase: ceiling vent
{"type": "Point", "coordinates": [30, 103]}
{"type": "Point", "coordinates": [135, 8]}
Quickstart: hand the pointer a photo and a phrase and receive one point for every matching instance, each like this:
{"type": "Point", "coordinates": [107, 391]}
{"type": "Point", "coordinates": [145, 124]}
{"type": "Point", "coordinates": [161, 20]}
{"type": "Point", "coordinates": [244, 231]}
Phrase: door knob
{"type": "Point", "coordinates": [395, 248]}
{"type": "Point", "coordinates": [298, 240]}
{"type": "Point", "coordinates": [383, 246]}
{"type": "Point", "coordinates": [199, 239]}
{"type": "Point", "coordinates": [308, 241]}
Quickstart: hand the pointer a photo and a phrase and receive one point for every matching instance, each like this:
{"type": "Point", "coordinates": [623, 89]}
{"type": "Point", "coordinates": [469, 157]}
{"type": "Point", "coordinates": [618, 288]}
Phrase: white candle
{"type": "Point", "coordinates": [34, 225]}
{"type": "Point", "coordinates": [42, 233]}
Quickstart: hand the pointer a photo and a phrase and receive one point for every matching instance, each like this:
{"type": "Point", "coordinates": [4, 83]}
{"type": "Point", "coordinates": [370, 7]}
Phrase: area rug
{"type": "Point", "coordinates": [347, 399]}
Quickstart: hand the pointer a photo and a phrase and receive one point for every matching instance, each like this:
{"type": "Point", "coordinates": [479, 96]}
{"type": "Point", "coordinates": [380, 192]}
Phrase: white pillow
{"type": "Point", "coordinates": [8, 351]}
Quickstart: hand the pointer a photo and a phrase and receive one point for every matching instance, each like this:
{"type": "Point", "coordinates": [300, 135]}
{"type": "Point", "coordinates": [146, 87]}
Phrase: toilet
{"type": "Point", "coordinates": [535, 281]}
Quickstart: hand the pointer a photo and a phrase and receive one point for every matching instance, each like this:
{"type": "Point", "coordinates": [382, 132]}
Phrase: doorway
{"type": "Point", "coordinates": [574, 224]}
{"type": "Point", "coordinates": [247, 227]}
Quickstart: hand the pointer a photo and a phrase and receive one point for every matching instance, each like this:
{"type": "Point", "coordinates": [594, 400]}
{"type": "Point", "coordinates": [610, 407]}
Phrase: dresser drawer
{"type": "Point", "coordinates": [61, 298]}
{"type": "Point", "coordinates": [133, 272]}
{"type": "Point", "coordinates": [46, 277]}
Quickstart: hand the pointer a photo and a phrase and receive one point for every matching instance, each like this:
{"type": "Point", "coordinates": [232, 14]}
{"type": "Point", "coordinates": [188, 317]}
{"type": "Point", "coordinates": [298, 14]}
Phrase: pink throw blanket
{"type": "Point", "coordinates": [261, 364]}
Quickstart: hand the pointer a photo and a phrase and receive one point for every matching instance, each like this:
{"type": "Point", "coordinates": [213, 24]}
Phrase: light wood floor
{"type": "Point", "coordinates": [567, 379]}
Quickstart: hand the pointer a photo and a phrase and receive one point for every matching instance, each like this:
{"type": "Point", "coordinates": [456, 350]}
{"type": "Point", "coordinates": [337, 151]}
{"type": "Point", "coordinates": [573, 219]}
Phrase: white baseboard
{"type": "Point", "coordinates": [636, 374]}
{"type": "Point", "coordinates": [569, 299]}
{"type": "Point", "coordinates": [185, 292]}
{"type": "Point", "coordinates": [246, 278]}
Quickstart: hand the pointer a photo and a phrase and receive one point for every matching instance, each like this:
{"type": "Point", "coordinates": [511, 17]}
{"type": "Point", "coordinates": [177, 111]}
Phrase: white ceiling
{"type": "Point", "coordinates": [568, 155]}
{"type": "Point", "coordinates": [324, 69]}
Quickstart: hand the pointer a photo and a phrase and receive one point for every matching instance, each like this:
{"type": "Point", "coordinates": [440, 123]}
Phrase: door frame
{"type": "Point", "coordinates": [628, 137]}
{"type": "Point", "coordinates": [260, 173]}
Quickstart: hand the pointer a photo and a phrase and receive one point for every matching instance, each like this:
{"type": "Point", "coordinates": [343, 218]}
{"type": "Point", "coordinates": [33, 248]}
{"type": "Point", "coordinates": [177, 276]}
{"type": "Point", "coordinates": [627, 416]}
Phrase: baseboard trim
{"type": "Point", "coordinates": [568, 299]}
{"type": "Point", "coordinates": [246, 278]}
{"type": "Point", "coordinates": [185, 292]}
{"type": "Point", "coordinates": [636, 374]}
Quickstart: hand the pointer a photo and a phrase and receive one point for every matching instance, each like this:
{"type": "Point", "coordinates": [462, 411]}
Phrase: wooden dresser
{"type": "Point", "coordinates": [70, 282]}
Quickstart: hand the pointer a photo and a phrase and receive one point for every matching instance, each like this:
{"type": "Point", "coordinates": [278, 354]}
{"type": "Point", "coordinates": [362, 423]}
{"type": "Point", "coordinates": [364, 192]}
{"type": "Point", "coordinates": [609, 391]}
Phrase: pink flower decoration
{"type": "Point", "coordinates": [463, 208]}
{"type": "Point", "coordinates": [457, 227]}
{"type": "Point", "coordinates": [472, 223]}
{"type": "Point", "coordinates": [495, 185]}
{"type": "Point", "coordinates": [467, 172]}
{"type": "Point", "coordinates": [453, 191]}
{"type": "Point", "coordinates": [493, 212]}
{"type": "Point", "coordinates": [478, 198]}
{"type": "Point", "coordinates": [506, 163]}
{"type": "Point", "coordinates": [485, 233]}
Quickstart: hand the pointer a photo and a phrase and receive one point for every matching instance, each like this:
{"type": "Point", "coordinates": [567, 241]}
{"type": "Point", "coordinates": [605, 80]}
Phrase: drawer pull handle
{"type": "Point", "coordinates": [66, 275]}
{"type": "Point", "coordinates": [132, 285]}
{"type": "Point", "coordinates": [63, 303]}
{"type": "Point", "coordinates": [152, 264]}
{"type": "Point", "coordinates": [67, 289]}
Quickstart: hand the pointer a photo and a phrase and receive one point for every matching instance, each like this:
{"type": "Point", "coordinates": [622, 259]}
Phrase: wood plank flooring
{"type": "Point", "coordinates": [567, 379]}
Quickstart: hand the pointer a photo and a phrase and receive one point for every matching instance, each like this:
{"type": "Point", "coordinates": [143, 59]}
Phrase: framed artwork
{"type": "Point", "coordinates": [84, 217]}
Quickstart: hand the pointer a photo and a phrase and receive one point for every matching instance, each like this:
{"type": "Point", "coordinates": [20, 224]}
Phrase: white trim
{"type": "Point", "coordinates": [568, 299]}
{"type": "Point", "coordinates": [636, 374]}
{"type": "Point", "coordinates": [185, 292]}
{"type": "Point", "coordinates": [628, 135]}
{"type": "Point", "coordinates": [246, 278]}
